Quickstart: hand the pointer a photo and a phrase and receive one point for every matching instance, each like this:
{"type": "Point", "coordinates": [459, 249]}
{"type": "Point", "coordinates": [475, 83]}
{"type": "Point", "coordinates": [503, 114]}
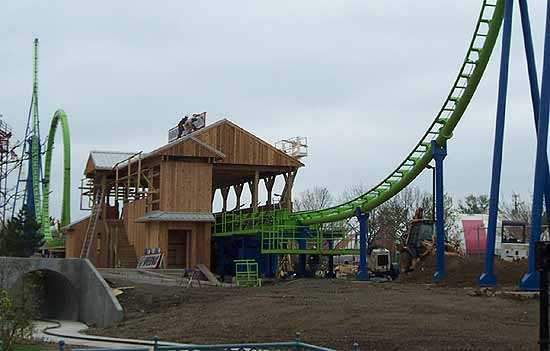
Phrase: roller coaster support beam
{"type": "Point", "coordinates": [363, 219]}
{"type": "Point", "coordinates": [302, 257]}
{"type": "Point", "coordinates": [535, 92]}
{"type": "Point", "coordinates": [531, 280]}
{"type": "Point", "coordinates": [221, 256]}
{"type": "Point", "coordinates": [439, 153]}
{"type": "Point", "coordinates": [330, 262]}
{"type": "Point", "coordinates": [488, 278]}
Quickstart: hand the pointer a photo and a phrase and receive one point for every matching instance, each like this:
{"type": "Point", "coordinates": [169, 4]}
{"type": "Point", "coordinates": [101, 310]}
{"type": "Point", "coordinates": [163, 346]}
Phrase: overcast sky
{"type": "Point", "coordinates": [361, 79]}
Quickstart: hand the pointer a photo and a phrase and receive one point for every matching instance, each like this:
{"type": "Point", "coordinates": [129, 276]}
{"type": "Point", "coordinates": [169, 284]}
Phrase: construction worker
{"type": "Point", "coordinates": [181, 126]}
{"type": "Point", "coordinates": [189, 126]}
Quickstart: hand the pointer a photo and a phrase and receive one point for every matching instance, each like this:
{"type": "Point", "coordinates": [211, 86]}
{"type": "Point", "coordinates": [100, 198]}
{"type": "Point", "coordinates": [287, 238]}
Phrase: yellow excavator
{"type": "Point", "coordinates": [420, 242]}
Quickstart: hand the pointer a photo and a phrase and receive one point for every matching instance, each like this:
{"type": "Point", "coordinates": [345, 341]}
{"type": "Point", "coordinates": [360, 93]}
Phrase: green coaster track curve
{"type": "Point", "coordinates": [60, 117]}
{"type": "Point", "coordinates": [41, 200]}
{"type": "Point", "coordinates": [440, 130]}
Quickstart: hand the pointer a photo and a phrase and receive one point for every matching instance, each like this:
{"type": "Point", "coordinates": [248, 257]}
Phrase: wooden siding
{"type": "Point", "coordinates": [75, 239]}
{"type": "Point", "coordinates": [155, 234]}
{"type": "Point", "coordinates": [238, 146]}
{"type": "Point", "coordinates": [186, 186]}
{"type": "Point", "coordinates": [191, 148]}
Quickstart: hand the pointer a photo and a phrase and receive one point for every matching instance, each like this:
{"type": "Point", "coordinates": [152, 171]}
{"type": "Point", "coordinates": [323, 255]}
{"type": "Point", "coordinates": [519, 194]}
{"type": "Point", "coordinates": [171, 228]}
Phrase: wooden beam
{"type": "Point", "coordinates": [238, 192]}
{"type": "Point", "coordinates": [286, 199]}
{"type": "Point", "coordinates": [269, 183]}
{"type": "Point", "coordinates": [254, 191]}
{"type": "Point", "coordinates": [225, 193]}
{"type": "Point", "coordinates": [251, 168]}
{"type": "Point", "coordinates": [138, 185]}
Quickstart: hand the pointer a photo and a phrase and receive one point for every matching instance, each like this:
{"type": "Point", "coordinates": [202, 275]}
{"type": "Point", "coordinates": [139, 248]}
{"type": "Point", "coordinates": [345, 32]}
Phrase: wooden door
{"type": "Point", "coordinates": [177, 246]}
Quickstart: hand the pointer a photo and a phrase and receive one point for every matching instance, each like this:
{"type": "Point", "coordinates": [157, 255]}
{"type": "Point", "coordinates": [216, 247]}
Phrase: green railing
{"type": "Point", "coordinates": [247, 273]}
{"type": "Point", "coordinates": [250, 223]}
{"type": "Point", "coordinates": [281, 234]}
{"type": "Point", "coordinates": [296, 345]}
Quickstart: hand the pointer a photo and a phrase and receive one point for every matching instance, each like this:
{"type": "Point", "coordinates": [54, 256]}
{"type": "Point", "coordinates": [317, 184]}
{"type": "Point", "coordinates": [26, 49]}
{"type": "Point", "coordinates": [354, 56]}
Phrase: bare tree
{"type": "Point", "coordinates": [313, 199]}
{"type": "Point", "coordinates": [517, 209]}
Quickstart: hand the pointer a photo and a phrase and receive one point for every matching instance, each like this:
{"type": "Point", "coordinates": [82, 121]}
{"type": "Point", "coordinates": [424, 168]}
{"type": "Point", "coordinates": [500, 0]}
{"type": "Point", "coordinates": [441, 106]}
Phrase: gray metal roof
{"type": "Point", "coordinates": [106, 160]}
{"type": "Point", "coordinates": [162, 216]}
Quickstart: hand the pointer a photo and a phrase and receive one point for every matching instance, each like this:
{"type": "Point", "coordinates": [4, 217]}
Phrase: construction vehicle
{"type": "Point", "coordinates": [420, 242]}
{"type": "Point", "coordinates": [514, 244]}
{"type": "Point", "coordinates": [380, 264]}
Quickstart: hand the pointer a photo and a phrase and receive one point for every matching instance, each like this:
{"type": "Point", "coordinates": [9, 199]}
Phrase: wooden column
{"type": "Point", "coordinates": [269, 183]}
{"type": "Point", "coordinates": [254, 187]}
{"type": "Point", "coordinates": [225, 194]}
{"type": "Point", "coordinates": [238, 192]}
{"type": "Point", "coordinates": [286, 199]}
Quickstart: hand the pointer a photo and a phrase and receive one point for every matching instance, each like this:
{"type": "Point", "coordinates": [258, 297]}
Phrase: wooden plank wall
{"type": "Point", "coordinates": [241, 147]}
{"type": "Point", "coordinates": [198, 241]}
{"type": "Point", "coordinates": [189, 147]}
{"type": "Point", "coordinates": [186, 186]}
{"type": "Point", "coordinates": [139, 234]}
{"type": "Point", "coordinates": [75, 240]}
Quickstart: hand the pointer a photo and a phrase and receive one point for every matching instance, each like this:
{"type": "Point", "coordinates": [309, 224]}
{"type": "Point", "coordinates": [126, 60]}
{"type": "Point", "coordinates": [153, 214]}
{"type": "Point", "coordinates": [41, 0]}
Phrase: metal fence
{"type": "Point", "coordinates": [296, 345]}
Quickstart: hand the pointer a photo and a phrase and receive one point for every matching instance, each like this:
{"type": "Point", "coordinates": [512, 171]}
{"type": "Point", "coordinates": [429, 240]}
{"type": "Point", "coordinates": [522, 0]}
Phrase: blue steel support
{"type": "Point", "coordinates": [302, 257]}
{"type": "Point", "coordinates": [530, 281]}
{"type": "Point", "coordinates": [488, 278]}
{"type": "Point", "coordinates": [439, 153]}
{"type": "Point", "coordinates": [221, 256]}
{"type": "Point", "coordinates": [535, 92]}
{"type": "Point", "coordinates": [363, 219]}
{"type": "Point", "coordinates": [330, 262]}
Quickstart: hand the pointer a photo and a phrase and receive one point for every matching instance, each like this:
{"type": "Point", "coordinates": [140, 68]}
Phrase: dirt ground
{"type": "Point", "coordinates": [402, 315]}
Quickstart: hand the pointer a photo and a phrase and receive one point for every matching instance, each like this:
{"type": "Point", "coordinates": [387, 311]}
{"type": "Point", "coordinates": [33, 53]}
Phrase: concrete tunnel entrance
{"type": "Point", "coordinates": [58, 297]}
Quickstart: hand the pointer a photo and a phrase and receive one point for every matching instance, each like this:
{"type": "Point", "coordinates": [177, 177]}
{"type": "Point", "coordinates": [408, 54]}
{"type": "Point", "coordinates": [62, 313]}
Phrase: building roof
{"type": "Point", "coordinates": [164, 216]}
{"type": "Point", "coordinates": [106, 160]}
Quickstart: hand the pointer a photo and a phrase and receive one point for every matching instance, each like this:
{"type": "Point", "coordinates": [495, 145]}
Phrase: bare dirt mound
{"type": "Point", "coordinates": [464, 271]}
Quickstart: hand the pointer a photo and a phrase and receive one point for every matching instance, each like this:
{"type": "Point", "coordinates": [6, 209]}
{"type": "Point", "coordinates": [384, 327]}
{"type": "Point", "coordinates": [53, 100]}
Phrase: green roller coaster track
{"type": "Point", "coordinates": [440, 130]}
{"type": "Point", "coordinates": [60, 117]}
{"type": "Point", "coordinates": [41, 201]}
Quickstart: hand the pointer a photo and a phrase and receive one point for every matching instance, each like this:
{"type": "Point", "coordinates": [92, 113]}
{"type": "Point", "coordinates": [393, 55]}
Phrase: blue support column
{"type": "Point", "coordinates": [302, 257]}
{"type": "Point", "coordinates": [535, 92]}
{"type": "Point", "coordinates": [221, 256]}
{"type": "Point", "coordinates": [530, 281]}
{"type": "Point", "coordinates": [439, 153]}
{"type": "Point", "coordinates": [330, 262]}
{"type": "Point", "coordinates": [488, 278]}
{"type": "Point", "coordinates": [363, 219]}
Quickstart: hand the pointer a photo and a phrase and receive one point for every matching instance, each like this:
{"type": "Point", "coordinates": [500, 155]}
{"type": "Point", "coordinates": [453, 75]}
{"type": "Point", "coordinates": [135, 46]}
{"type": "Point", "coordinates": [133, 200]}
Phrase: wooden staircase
{"type": "Point", "coordinates": [125, 253]}
{"type": "Point", "coordinates": [94, 218]}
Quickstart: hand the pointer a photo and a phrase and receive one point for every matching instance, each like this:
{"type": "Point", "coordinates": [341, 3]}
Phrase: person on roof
{"type": "Point", "coordinates": [181, 126]}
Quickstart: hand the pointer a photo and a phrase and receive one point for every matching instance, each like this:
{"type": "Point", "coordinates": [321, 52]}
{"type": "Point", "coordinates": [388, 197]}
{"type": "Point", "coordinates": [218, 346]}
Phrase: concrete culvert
{"type": "Point", "coordinates": [58, 298]}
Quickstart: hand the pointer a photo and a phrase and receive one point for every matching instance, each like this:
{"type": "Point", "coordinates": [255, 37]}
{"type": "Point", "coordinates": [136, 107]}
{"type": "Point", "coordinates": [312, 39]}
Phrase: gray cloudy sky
{"type": "Point", "coordinates": [360, 79]}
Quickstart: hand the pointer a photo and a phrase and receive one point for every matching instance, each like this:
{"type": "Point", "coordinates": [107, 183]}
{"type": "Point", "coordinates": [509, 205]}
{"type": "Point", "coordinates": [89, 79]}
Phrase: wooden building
{"type": "Point", "coordinates": [162, 200]}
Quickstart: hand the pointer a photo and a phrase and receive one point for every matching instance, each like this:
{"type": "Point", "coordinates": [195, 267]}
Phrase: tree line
{"type": "Point", "coordinates": [391, 219]}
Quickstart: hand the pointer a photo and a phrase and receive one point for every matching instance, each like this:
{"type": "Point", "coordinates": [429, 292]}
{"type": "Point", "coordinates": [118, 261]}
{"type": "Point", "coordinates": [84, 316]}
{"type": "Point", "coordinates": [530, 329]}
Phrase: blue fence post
{"type": "Point", "coordinates": [488, 278]}
{"type": "Point", "coordinates": [61, 345]}
{"type": "Point", "coordinates": [530, 281]}
{"type": "Point", "coordinates": [156, 343]}
{"type": "Point", "coordinates": [439, 153]}
{"type": "Point", "coordinates": [363, 219]}
{"type": "Point", "coordinates": [535, 92]}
